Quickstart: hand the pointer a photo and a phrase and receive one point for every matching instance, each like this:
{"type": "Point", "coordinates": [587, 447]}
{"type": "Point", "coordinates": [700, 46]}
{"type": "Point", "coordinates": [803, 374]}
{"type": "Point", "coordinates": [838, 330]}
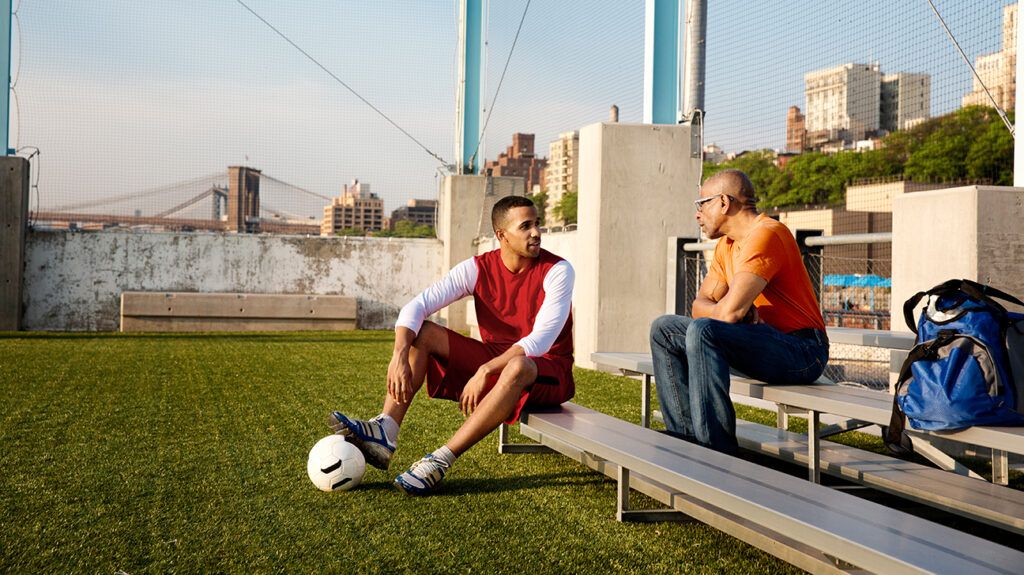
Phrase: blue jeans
{"type": "Point", "coordinates": [692, 361]}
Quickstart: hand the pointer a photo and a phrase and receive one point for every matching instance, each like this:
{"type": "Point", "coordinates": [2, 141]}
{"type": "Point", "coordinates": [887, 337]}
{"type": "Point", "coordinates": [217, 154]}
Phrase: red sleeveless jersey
{"type": "Point", "coordinates": [507, 303]}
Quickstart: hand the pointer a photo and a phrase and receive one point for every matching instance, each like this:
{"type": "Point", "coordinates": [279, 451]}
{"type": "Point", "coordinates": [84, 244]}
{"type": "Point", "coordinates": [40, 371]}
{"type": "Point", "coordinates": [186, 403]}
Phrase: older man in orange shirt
{"type": "Point", "coordinates": [755, 313]}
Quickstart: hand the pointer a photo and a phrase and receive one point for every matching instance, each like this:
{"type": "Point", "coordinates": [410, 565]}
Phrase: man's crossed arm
{"type": "Point", "coordinates": [729, 303]}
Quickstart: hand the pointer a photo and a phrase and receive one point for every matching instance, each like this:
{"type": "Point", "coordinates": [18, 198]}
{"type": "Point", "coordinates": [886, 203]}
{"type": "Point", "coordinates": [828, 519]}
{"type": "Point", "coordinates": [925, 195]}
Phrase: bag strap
{"type": "Point", "coordinates": [987, 294]}
{"type": "Point", "coordinates": [896, 438]}
{"type": "Point", "coordinates": [978, 291]}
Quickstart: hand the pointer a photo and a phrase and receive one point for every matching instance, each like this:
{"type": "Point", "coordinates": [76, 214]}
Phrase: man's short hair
{"type": "Point", "coordinates": [502, 207]}
{"type": "Point", "coordinates": [738, 181]}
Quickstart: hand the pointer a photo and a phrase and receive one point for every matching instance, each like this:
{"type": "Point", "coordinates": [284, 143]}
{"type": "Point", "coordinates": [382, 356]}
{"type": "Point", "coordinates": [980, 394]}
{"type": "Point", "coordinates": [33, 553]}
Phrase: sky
{"type": "Point", "coordinates": [124, 96]}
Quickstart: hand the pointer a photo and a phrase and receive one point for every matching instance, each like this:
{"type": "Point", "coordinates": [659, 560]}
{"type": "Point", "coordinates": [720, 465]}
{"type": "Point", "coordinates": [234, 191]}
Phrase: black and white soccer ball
{"type": "Point", "coordinates": [335, 464]}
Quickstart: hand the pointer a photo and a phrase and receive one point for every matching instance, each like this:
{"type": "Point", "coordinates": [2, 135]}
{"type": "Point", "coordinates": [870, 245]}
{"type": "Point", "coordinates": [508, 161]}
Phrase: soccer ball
{"type": "Point", "coordinates": [335, 464]}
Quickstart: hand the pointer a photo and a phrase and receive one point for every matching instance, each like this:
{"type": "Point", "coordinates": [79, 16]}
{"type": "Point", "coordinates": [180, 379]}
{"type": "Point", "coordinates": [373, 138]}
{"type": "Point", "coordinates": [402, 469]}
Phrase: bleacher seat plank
{"type": "Point", "coordinates": [859, 532]}
{"type": "Point", "coordinates": [978, 500]}
{"type": "Point", "coordinates": [871, 337]}
{"type": "Point", "coordinates": [182, 311]}
{"type": "Point", "coordinates": [872, 406]}
{"type": "Point", "coordinates": [790, 550]}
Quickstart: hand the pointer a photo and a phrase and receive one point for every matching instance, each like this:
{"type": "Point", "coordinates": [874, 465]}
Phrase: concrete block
{"type": "Point", "coordinates": [972, 232]}
{"type": "Point", "coordinates": [170, 311]}
{"type": "Point", "coordinates": [637, 187]}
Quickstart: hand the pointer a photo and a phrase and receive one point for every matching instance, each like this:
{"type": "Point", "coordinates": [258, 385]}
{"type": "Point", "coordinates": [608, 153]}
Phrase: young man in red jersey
{"type": "Point", "coordinates": [523, 299]}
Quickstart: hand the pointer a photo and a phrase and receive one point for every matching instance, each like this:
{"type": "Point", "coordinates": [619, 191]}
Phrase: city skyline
{"type": "Point", "coordinates": [133, 96]}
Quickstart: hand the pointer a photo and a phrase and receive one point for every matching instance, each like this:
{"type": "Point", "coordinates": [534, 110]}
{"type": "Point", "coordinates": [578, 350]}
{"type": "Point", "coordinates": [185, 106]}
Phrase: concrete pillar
{"type": "Point", "coordinates": [637, 187]}
{"type": "Point", "coordinates": [972, 232]}
{"type": "Point", "coordinates": [14, 173]}
{"type": "Point", "coordinates": [464, 214]}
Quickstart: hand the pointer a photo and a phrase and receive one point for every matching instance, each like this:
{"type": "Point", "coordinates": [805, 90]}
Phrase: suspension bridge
{"type": "Point", "coordinates": [201, 203]}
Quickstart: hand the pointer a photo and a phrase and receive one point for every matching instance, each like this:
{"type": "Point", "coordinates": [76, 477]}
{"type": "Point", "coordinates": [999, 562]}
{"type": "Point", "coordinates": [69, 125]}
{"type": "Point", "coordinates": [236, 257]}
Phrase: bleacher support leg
{"type": "Point", "coordinates": [813, 448]}
{"type": "Point", "coordinates": [624, 514]}
{"type": "Point", "coordinates": [645, 401]}
{"type": "Point", "coordinates": [1000, 467]}
{"type": "Point", "coordinates": [925, 448]}
{"type": "Point", "coordinates": [505, 447]}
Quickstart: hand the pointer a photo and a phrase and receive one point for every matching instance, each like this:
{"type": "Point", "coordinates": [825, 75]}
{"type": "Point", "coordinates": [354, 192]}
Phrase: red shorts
{"type": "Point", "coordinates": [446, 378]}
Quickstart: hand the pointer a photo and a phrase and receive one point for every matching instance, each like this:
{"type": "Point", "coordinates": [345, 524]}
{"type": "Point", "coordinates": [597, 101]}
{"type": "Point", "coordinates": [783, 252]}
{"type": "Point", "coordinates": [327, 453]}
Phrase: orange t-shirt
{"type": "Point", "coordinates": [769, 251]}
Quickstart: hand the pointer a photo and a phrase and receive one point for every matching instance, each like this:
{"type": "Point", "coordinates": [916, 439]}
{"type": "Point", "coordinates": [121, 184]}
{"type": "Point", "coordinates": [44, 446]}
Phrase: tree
{"type": "Point", "coordinates": [540, 199]}
{"type": "Point", "coordinates": [947, 147]}
{"type": "Point", "coordinates": [759, 166]}
{"type": "Point", "coordinates": [991, 156]}
{"type": "Point", "coordinates": [351, 232]}
{"type": "Point", "coordinates": [407, 229]}
{"type": "Point", "coordinates": [566, 208]}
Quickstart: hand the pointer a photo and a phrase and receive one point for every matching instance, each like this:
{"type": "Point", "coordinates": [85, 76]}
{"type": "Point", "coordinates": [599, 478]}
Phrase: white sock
{"type": "Point", "coordinates": [390, 427]}
{"type": "Point", "coordinates": [444, 454]}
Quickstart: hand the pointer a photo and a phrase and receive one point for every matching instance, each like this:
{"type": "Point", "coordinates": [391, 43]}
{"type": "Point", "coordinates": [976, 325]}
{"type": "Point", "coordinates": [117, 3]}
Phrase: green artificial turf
{"type": "Point", "coordinates": [186, 454]}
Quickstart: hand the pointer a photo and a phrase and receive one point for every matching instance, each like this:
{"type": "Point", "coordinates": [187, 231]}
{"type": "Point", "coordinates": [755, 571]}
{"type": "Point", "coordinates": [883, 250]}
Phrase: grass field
{"type": "Point", "coordinates": [186, 453]}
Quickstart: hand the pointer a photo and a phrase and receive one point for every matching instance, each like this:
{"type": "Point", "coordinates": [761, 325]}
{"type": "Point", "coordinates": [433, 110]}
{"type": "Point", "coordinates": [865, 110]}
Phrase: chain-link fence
{"type": "Point", "coordinates": [137, 109]}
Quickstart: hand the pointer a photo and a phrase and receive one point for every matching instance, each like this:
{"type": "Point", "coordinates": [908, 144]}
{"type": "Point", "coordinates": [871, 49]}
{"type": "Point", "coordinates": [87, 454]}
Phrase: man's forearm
{"type": "Point", "coordinates": [403, 339]}
{"type": "Point", "coordinates": [703, 307]}
{"type": "Point", "coordinates": [497, 364]}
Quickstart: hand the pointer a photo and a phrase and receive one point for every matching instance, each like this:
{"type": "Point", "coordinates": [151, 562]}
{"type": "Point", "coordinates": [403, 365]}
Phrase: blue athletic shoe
{"type": "Point", "coordinates": [423, 476]}
{"type": "Point", "coordinates": [368, 436]}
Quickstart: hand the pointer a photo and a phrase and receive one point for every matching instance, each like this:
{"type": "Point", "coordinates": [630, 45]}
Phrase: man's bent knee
{"type": "Point", "coordinates": [519, 372]}
{"type": "Point", "coordinates": [667, 325]}
{"type": "Point", "coordinates": [431, 338]}
{"type": "Point", "coordinates": [700, 332]}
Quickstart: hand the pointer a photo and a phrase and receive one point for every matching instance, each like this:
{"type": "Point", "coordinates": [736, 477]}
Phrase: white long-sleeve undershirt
{"type": "Point", "coordinates": [461, 281]}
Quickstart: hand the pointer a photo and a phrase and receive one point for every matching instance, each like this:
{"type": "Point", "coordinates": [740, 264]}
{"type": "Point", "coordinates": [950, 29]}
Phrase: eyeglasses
{"type": "Point", "coordinates": [701, 202]}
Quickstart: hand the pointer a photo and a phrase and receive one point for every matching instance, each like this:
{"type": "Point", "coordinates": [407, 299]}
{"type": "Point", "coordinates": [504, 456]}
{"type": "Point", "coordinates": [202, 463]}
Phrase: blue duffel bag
{"type": "Point", "coordinates": [967, 367]}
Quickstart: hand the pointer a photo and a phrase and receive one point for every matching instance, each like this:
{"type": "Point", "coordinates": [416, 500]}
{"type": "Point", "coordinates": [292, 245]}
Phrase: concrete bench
{"type": "Point", "coordinates": [180, 311]}
{"type": "Point", "coordinates": [811, 526]}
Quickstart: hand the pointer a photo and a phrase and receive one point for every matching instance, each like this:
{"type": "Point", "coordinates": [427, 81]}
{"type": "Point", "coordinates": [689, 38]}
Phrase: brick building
{"type": "Point", "coordinates": [519, 160]}
{"type": "Point", "coordinates": [356, 208]}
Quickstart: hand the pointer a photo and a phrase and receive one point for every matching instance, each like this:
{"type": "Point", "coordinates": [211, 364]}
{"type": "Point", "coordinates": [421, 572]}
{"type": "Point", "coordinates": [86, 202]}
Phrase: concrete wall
{"type": "Point", "coordinates": [972, 232]}
{"type": "Point", "coordinates": [73, 281]}
{"type": "Point", "coordinates": [637, 187]}
{"type": "Point", "coordinates": [878, 196]}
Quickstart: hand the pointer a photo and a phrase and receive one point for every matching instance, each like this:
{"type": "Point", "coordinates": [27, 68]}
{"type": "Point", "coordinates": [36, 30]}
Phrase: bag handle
{"type": "Point", "coordinates": [973, 289]}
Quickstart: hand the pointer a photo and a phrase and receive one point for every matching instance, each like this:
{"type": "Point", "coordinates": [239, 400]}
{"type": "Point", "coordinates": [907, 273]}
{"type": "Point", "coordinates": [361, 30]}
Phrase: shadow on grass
{"type": "Point", "coordinates": [455, 487]}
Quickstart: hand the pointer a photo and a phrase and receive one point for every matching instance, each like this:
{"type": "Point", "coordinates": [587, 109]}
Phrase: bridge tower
{"type": "Point", "coordinates": [243, 200]}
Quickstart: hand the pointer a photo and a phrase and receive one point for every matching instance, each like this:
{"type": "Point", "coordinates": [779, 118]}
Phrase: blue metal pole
{"type": "Point", "coordinates": [5, 61]}
{"type": "Point", "coordinates": [661, 62]}
{"type": "Point", "coordinates": [471, 88]}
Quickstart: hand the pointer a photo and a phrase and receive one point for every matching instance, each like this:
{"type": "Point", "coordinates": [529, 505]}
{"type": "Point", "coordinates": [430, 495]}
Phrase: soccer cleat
{"type": "Point", "coordinates": [423, 476]}
{"type": "Point", "coordinates": [368, 436]}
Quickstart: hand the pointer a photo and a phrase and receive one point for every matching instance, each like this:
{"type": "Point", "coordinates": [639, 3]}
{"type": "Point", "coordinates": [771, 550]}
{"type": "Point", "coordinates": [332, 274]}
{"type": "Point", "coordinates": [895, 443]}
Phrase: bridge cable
{"type": "Point", "coordinates": [340, 81]}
